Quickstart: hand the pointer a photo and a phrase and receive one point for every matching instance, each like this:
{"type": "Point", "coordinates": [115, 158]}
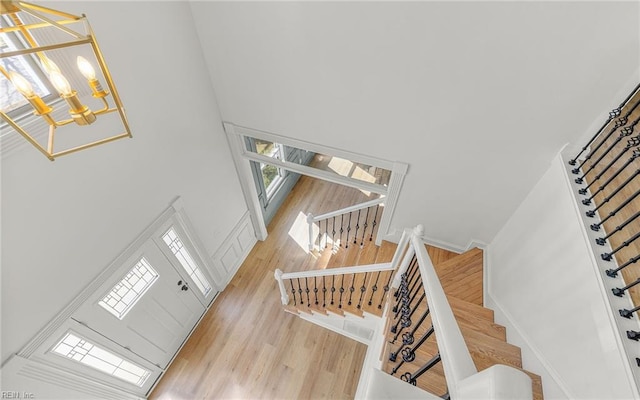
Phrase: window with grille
{"type": "Point", "coordinates": [130, 289]}
{"type": "Point", "coordinates": [74, 347]}
{"type": "Point", "coordinates": [175, 244]}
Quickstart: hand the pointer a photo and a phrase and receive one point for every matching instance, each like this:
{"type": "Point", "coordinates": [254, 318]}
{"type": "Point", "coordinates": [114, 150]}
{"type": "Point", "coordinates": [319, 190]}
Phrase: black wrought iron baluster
{"type": "Point", "coordinates": [385, 289]}
{"type": "Point", "coordinates": [363, 289]}
{"type": "Point", "coordinates": [404, 298]}
{"type": "Point", "coordinates": [620, 291]}
{"type": "Point", "coordinates": [406, 291]}
{"type": "Point", "coordinates": [341, 228]}
{"type": "Point", "coordinates": [333, 287]}
{"type": "Point", "coordinates": [612, 114]}
{"type": "Point", "coordinates": [634, 335]}
{"type": "Point", "coordinates": [375, 222]}
{"type": "Point", "coordinates": [412, 378]}
{"type": "Point", "coordinates": [315, 289]}
{"type": "Point", "coordinates": [607, 256]}
{"type": "Point", "coordinates": [341, 292]}
{"type": "Point", "coordinates": [293, 292]}
{"type": "Point", "coordinates": [601, 241]}
{"type": "Point", "coordinates": [411, 272]}
{"type": "Point", "coordinates": [300, 292]}
{"type": "Point", "coordinates": [592, 213]}
{"type": "Point", "coordinates": [364, 227]}
{"type": "Point", "coordinates": [631, 143]}
{"type": "Point", "coordinates": [621, 121]}
{"type": "Point", "coordinates": [355, 235]}
{"type": "Point", "coordinates": [306, 289]}
{"type": "Point", "coordinates": [324, 293]}
{"type": "Point", "coordinates": [596, 227]}
{"type": "Point", "coordinates": [624, 132]}
{"type": "Point", "coordinates": [408, 354]}
{"type": "Point", "coordinates": [408, 337]}
{"type": "Point", "coordinates": [351, 288]}
{"type": "Point", "coordinates": [346, 244]}
{"type": "Point", "coordinates": [407, 313]}
{"type": "Point", "coordinates": [374, 288]}
{"type": "Point", "coordinates": [403, 293]}
{"type": "Point", "coordinates": [586, 202]}
{"type": "Point", "coordinates": [333, 234]}
{"type": "Point", "coordinates": [614, 272]}
{"type": "Point", "coordinates": [628, 313]}
{"type": "Point", "coordinates": [319, 235]}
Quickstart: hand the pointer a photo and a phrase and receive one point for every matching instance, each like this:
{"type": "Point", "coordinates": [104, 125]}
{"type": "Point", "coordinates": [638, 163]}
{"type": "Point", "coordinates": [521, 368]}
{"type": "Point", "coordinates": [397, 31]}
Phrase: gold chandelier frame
{"type": "Point", "coordinates": [80, 114]}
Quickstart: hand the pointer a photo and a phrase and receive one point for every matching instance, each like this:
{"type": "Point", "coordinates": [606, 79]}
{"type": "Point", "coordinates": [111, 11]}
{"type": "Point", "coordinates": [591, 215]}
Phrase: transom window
{"type": "Point", "coordinates": [173, 241]}
{"type": "Point", "coordinates": [130, 289]}
{"type": "Point", "coordinates": [76, 348]}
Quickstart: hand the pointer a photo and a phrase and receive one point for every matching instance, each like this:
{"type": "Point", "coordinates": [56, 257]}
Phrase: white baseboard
{"type": "Point", "coordinates": [532, 358]}
{"type": "Point", "coordinates": [235, 248]}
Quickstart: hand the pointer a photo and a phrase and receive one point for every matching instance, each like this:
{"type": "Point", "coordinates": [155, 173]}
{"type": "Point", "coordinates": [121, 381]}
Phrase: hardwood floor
{"type": "Point", "coordinates": [247, 347]}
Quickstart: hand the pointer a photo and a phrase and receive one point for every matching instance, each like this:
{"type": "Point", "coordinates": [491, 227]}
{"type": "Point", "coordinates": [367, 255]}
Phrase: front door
{"type": "Point", "coordinates": [147, 307]}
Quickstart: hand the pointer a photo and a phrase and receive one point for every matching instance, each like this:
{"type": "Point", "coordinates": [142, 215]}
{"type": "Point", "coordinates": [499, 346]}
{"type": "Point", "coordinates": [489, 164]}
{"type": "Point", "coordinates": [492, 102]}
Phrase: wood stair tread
{"type": "Point", "coordinates": [461, 277]}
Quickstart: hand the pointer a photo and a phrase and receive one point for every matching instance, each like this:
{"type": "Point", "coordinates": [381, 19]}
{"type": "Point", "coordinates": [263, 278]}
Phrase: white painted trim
{"type": "Point", "coordinates": [314, 147]}
{"type": "Point", "coordinates": [241, 157]}
{"type": "Point", "coordinates": [613, 303]}
{"type": "Point", "coordinates": [176, 211]}
{"type": "Point", "coordinates": [345, 210]}
{"type": "Point", "coordinates": [552, 373]}
{"type": "Point", "coordinates": [249, 191]}
{"type": "Point", "coordinates": [315, 172]}
{"type": "Point", "coordinates": [339, 271]}
{"type": "Point", "coordinates": [369, 322]}
{"type": "Point", "coordinates": [106, 274]}
{"type": "Point", "coordinates": [233, 243]}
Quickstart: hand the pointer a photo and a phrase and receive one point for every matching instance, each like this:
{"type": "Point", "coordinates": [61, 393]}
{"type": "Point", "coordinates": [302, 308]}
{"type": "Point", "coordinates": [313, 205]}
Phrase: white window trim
{"type": "Point", "coordinates": [241, 157]}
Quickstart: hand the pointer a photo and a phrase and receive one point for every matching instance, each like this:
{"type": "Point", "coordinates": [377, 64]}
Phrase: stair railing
{"type": "Point", "coordinates": [462, 378]}
{"type": "Point", "coordinates": [349, 224]}
{"type": "Point", "coordinates": [613, 204]}
{"type": "Point", "coordinates": [335, 286]}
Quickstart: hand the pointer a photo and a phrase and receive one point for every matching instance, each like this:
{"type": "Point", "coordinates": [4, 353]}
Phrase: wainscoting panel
{"type": "Point", "coordinates": [235, 248]}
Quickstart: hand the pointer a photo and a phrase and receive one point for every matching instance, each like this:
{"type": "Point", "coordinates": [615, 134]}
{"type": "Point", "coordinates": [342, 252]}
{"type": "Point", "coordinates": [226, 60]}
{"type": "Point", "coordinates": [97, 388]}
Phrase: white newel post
{"type": "Point", "coordinates": [310, 222]}
{"type": "Point", "coordinates": [284, 297]}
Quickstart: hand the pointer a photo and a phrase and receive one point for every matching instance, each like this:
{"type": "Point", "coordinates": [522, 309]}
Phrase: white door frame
{"type": "Point", "coordinates": [33, 351]}
{"type": "Point", "coordinates": [242, 158]}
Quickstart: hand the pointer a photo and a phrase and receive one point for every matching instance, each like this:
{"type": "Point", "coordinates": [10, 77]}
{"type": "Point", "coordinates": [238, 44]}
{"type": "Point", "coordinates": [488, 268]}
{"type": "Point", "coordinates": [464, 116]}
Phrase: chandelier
{"type": "Point", "coordinates": [53, 76]}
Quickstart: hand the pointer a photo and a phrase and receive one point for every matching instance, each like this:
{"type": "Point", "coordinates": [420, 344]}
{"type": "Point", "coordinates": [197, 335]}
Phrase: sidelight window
{"type": "Point", "coordinates": [76, 348]}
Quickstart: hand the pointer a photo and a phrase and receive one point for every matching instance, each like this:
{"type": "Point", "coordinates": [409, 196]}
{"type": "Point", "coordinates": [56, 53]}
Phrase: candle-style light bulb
{"type": "Point", "coordinates": [60, 83]}
{"type": "Point", "coordinates": [21, 84]}
{"type": "Point", "coordinates": [24, 87]}
{"type": "Point", "coordinates": [49, 66]}
{"type": "Point", "coordinates": [86, 68]}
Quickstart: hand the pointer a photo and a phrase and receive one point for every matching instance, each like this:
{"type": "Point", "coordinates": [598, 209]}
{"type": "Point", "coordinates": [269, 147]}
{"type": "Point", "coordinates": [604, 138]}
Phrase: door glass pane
{"type": "Point", "coordinates": [130, 289]}
{"type": "Point", "coordinates": [174, 243]}
{"type": "Point", "coordinates": [74, 347]}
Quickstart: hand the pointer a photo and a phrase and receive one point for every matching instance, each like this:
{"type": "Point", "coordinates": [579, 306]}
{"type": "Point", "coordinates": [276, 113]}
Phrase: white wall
{"type": "Point", "coordinates": [542, 284]}
{"type": "Point", "coordinates": [63, 222]}
{"type": "Point", "coordinates": [476, 96]}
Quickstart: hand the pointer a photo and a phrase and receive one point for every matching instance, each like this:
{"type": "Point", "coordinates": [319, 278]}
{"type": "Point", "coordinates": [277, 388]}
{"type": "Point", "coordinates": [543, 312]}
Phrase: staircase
{"type": "Point", "coordinates": [365, 291]}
